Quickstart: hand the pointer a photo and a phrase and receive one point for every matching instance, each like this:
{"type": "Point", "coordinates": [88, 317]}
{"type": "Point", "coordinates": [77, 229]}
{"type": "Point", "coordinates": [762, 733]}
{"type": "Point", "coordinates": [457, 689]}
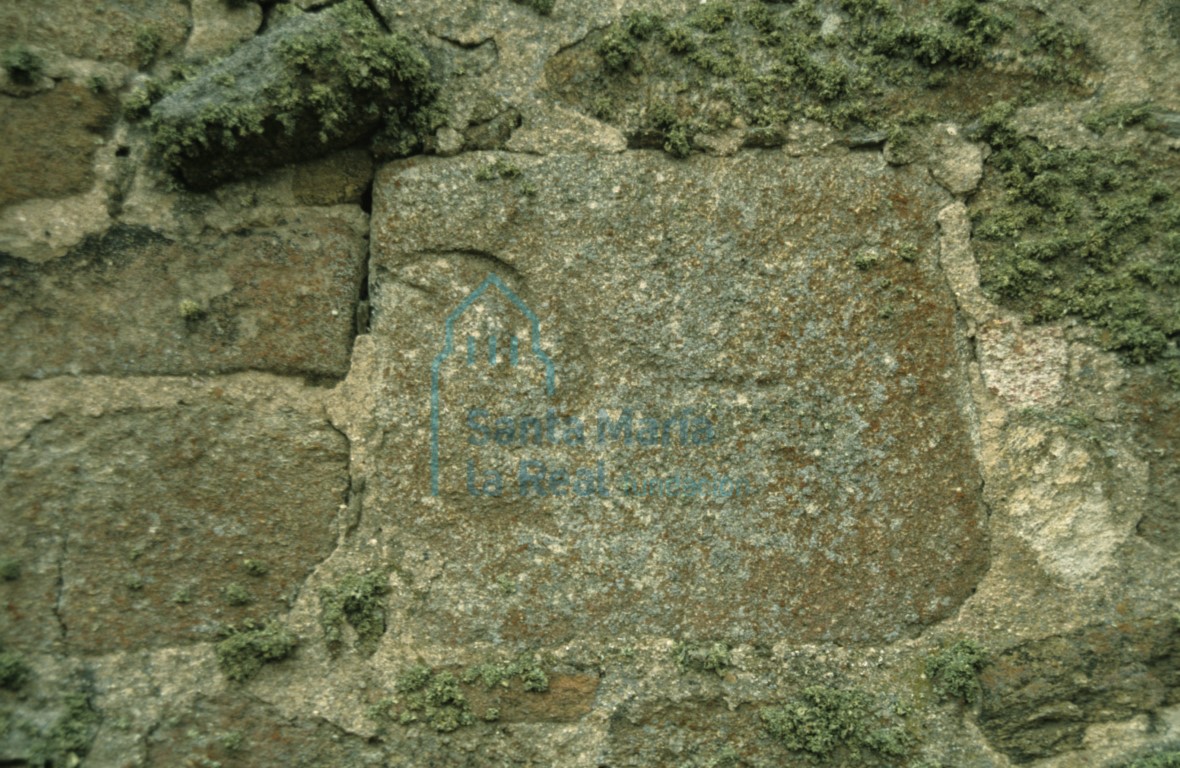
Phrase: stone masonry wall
{"type": "Point", "coordinates": [533, 382]}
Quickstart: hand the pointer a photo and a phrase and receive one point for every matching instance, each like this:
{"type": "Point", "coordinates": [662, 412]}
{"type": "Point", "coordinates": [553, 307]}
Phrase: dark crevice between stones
{"type": "Point", "coordinates": [349, 516]}
{"type": "Point", "coordinates": [372, 6]}
{"type": "Point", "coordinates": [361, 323]}
{"type": "Point", "coordinates": [60, 587]}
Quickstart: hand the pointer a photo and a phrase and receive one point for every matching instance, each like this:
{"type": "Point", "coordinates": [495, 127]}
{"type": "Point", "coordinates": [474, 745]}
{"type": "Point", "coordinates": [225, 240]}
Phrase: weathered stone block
{"type": "Point", "coordinates": [1039, 697]}
{"type": "Point", "coordinates": [629, 395]}
{"type": "Point", "coordinates": [49, 141]}
{"type": "Point", "coordinates": [162, 525]}
{"type": "Point", "coordinates": [135, 302]}
{"type": "Point", "coordinates": [229, 730]}
{"type": "Point", "coordinates": [130, 31]}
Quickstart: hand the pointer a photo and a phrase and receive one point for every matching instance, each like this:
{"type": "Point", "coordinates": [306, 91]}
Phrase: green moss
{"type": "Point", "coordinates": [9, 568]}
{"type": "Point", "coordinates": [867, 258]}
{"type": "Point", "coordinates": [677, 132]}
{"type": "Point", "coordinates": [825, 721]}
{"type": "Point", "coordinates": [231, 741]}
{"type": "Point", "coordinates": [14, 672]}
{"type": "Point", "coordinates": [359, 601]}
{"type": "Point", "coordinates": [237, 595]}
{"type": "Point", "coordinates": [255, 567]}
{"type": "Point", "coordinates": [324, 84]}
{"type": "Point", "coordinates": [769, 64]}
{"type": "Point", "coordinates": [617, 50]}
{"type": "Point", "coordinates": [1122, 116]}
{"type": "Point", "coordinates": [713, 16]}
{"type": "Point", "coordinates": [71, 735]}
{"type": "Point", "coordinates": [1081, 232]}
{"type": "Point", "coordinates": [147, 45]}
{"type": "Point", "coordinates": [498, 169]}
{"type": "Point", "coordinates": [704, 657]}
{"type": "Point", "coordinates": [526, 669]}
{"type": "Point", "coordinates": [434, 698]}
{"type": "Point", "coordinates": [954, 671]}
{"type": "Point", "coordinates": [679, 40]}
{"type": "Point", "coordinates": [907, 252]}
{"type": "Point", "coordinates": [642, 26]}
{"type": "Point", "coordinates": [23, 66]}
{"type": "Point", "coordinates": [543, 7]}
{"type": "Point", "coordinates": [138, 103]}
{"type": "Point", "coordinates": [245, 650]}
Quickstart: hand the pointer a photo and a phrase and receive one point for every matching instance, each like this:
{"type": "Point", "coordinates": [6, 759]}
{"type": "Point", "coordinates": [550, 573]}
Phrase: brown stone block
{"type": "Point", "coordinates": [143, 529]}
{"type": "Point", "coordinates": [48, 142]}
{"type": "Point", "coordinates": [134, 302]}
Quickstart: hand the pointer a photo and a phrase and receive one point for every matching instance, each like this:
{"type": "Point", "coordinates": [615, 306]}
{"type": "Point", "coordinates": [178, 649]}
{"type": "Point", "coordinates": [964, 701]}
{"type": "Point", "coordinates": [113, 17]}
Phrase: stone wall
{"type": "Point", "coordinates": [656, 383]}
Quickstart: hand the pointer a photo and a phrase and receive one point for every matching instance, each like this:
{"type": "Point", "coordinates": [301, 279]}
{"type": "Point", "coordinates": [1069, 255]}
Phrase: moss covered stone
{"type": "Point", "coordinates": [825, 721]}
{"type": "Point", "coordinates": [526, 669]}
{"type": "Point", "coordinates": [543, 7]}
{"type": "Point", "coordinates": [70, 736]}
{"type": "Point", "coordinates": [856, 62]}
{"type": "Point", "coordinates": [954, 670]}
{"type": "Point", "coordinates": [23, 66]}
{"type": "Point", "coordinates": [245, 650]}
{"type": "Point", "coordinates": [359, 601]}
{"type": "Point", "coordinates": [311, 84]}
{"type": "Point", "coordinates": [1084, 232]}
{"type": "Point", "coordinates": [1165, 758]}
{"type": "Point", "coordinates": [704, 657]}
{"type": "Point", "coordinates": [434, 698]}
{"type": "Point", "coordinates": [14, 672]}
{"type": "Point", "coordinates": [9, 568]}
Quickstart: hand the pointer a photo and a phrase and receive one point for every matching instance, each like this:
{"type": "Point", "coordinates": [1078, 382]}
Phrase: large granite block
{"type": "Point", "coordinates": [628, 395]}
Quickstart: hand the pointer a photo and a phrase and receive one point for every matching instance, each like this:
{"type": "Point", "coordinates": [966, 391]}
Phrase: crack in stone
{"type": "Point", "coordinates": [60, 586]}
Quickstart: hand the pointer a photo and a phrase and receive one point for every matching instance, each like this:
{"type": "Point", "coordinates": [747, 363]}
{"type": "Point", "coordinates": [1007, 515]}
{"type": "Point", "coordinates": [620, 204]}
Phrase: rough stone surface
{"type": "Point", "coordinates": [334, 180]}
{"type": "Point", "coordinates": [132, 32]}
{"type": "Point", "coordinates": [1040, 696]}
{"type": "Point", "coordinates": [50, 140]}
{"type": "Point", "coordinates": [218, 26]}
{"type": "Point", "coordinates": [935, 466]}
{"type": "Point", "coordinates": [763, 295]}
{"type": "Point", "coordinates": [231, 730]}
{"type": "Point", "coordinates": [153, 516]}
{"type": "Point", "coordinates": [136, 302]}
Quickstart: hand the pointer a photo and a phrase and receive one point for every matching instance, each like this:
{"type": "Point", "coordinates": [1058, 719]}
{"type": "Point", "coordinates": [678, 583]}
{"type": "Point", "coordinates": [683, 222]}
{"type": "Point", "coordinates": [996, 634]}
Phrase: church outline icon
{"type": "Point", "coordinates": [494, 355]}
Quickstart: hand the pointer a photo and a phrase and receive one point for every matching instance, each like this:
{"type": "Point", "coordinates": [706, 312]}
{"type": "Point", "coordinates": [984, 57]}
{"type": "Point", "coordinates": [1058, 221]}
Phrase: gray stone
{"type": "Point", "coordinates": [218, 26]}
{"type": "Point", "coordinates": [312, 84]}
{"type": "Point", "coordinates": [135, 302]}
{"type": "Point", "coordinates": [799, 465]}
{"type": "Point", "coordinates": [233, 730]}
{"type": "Point", "coordinates": [133, 32]}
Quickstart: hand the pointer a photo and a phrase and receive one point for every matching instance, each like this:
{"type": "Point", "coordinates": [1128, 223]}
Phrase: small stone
{"type": "Point", "coordinates": [450, 141]}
